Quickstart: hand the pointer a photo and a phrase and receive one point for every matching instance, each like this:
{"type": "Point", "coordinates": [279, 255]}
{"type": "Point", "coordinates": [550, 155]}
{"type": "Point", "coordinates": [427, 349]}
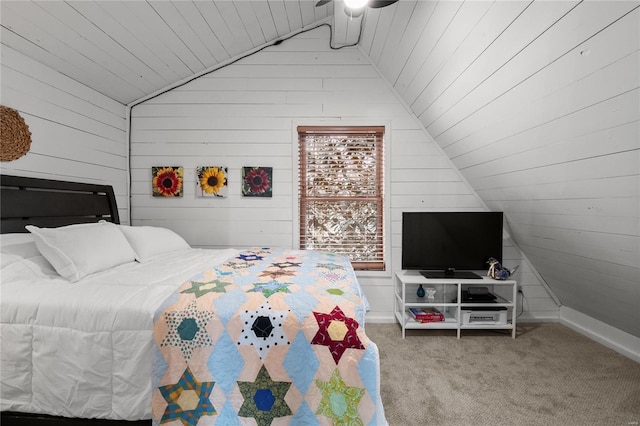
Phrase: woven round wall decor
{"type": "Point", "coordinates": [15, 137]}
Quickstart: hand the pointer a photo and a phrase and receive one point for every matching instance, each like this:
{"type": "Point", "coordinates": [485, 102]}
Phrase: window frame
{"type": "Point", "coordinates": [380, 198]}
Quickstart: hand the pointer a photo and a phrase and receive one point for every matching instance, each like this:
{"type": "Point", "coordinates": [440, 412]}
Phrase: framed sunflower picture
{"type": "Point", "coordinates": [211, 181]}
{"type": "Point", "coordinates": [167, 181]}
{"type": "Point", "coordinates": [257, 181]}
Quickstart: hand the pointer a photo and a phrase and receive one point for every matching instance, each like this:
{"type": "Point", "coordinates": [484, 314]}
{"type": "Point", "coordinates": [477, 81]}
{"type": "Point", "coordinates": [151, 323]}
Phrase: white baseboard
{"type": "Point", "coordinates": [613, 338]}
{"type": "Point", "coordinates": [618, 340]}
{"type": "Point", "coordinates": [551, 316]}
{"type": "Point", "coordinates": [385, 319]}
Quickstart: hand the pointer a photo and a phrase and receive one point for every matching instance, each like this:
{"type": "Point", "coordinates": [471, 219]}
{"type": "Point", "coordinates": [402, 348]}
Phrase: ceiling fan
{"type": "Point", "coordinates": [356, 7]}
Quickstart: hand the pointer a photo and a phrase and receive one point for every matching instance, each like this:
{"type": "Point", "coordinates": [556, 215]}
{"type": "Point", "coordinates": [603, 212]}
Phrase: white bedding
{"type": "Point", "coordinates": [83, 349]}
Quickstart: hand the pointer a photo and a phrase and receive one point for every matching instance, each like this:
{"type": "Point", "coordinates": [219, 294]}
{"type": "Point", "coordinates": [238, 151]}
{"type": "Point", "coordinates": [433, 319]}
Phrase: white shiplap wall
{"type": "Point", "coordinates": [246, 115]}
{"type": "Point", "coordinates": [537, 104]}
{"type": "Point", "coordinates": [77, 134]}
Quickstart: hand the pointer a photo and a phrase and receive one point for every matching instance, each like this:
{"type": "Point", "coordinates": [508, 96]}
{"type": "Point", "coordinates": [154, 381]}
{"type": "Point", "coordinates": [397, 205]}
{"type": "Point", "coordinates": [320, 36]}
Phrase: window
{"type": "Point", "coordinates": [341, 192]}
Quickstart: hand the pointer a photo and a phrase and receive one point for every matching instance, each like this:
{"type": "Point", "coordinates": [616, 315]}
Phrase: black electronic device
{"type": "Point", "coordinates": [484, 297]}
{"type": "Point", "coordinates": [450, 244]}
{"type": "Point", "coordinates": [478, 291]}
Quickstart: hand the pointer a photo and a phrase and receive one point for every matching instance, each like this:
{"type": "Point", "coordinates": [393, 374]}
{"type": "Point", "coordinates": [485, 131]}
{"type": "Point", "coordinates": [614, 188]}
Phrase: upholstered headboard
{"type": "Point", "coordinates": [53, 203]}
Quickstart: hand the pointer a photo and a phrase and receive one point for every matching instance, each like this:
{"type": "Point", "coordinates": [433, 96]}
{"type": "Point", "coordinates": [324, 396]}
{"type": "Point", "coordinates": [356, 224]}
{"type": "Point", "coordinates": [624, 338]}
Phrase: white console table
{"type": "Point", "coordinates": [448, 300]}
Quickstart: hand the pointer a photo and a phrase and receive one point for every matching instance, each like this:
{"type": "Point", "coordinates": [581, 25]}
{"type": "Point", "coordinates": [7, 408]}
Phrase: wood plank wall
{"type": "Point", "coordinates": [538, 105]}
{"type": "Point", "coordinates": [246, 114]}
{"type": "Point", "coordinates": [77, 133]}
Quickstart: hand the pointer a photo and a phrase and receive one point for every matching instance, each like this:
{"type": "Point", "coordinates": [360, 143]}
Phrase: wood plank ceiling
{"type": "Point", "coordinates": [535, 102]}
{"type": "Point", "coordinates": [127, 50]}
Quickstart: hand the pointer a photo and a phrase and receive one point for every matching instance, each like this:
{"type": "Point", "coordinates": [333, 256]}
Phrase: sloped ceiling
{"type": "Point", "coordinates": [536, 102]}
{"type": "Point", "coordinates": [127, 50]}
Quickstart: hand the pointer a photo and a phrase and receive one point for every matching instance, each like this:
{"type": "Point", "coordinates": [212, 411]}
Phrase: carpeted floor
{"type": "Point", "coordinates": [549, 375]}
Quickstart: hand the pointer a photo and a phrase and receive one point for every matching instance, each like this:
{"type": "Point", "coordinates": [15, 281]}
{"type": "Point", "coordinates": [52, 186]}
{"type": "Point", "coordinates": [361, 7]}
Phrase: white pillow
{"type": "Point", "coordinates": [79, 250]}
{"type": "Point", "coordinates": [150, 241]}
{"type": "Point", "coordinates": [22, 245]}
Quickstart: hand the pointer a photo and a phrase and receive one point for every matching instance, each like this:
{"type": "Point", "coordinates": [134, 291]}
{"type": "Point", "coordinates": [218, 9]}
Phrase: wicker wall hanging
{"type": "Point", "coordinates": [15, 137]}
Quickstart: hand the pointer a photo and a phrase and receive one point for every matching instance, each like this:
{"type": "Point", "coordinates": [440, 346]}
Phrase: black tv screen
{"type": "Point", "coordinates": [450, 244]}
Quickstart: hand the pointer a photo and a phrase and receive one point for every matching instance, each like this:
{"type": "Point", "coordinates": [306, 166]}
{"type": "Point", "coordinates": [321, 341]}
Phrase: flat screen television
{"type": "Point", "coordinates": [450, 244]}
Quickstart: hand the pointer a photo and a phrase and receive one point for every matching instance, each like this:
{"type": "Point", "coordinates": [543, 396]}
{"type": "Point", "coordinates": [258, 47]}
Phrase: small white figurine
{"type": "Point", "coordinates": [431, 293]}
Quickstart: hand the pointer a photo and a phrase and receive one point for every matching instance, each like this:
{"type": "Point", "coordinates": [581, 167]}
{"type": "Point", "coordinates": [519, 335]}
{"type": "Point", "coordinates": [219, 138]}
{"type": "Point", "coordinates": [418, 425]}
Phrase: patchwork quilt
{"type": "Point", "coordinates": [271, 336]}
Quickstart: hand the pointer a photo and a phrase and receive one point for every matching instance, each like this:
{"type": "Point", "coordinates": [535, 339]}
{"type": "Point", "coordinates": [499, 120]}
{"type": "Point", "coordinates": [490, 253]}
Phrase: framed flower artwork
{"type": "Point", "coordinates": [167, 181]}
{"type": "Point", "coordinates": [257, 181]}
{"type": "Point", "coordinates": [211, 181]}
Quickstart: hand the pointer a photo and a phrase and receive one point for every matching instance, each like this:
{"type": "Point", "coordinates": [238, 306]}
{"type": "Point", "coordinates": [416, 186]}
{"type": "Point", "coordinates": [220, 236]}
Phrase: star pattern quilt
{"type": "Point", "coordinates": [271, 336]}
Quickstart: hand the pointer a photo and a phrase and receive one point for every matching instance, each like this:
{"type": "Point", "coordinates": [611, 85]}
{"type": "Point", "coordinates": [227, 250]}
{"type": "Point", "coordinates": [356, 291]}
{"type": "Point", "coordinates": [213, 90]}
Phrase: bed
{"type": "Point", "coordinates": [142, 327]}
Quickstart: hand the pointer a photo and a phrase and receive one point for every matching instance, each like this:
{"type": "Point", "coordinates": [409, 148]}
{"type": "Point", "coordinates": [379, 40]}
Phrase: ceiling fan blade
{"type": "Point", "coordinates": [322, 3]}
{"type": "Point", "coordinates": [375, 4]}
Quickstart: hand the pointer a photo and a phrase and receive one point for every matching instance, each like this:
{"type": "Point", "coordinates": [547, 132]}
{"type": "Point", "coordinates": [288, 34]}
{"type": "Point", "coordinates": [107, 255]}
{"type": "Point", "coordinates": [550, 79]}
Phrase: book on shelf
{"type": "Point", "coordinates": [428, 314]}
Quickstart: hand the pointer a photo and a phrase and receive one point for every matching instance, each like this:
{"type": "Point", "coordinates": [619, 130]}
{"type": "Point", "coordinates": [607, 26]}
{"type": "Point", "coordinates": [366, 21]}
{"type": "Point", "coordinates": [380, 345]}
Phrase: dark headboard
{"type": "Point", "coordinates": [53, 203]}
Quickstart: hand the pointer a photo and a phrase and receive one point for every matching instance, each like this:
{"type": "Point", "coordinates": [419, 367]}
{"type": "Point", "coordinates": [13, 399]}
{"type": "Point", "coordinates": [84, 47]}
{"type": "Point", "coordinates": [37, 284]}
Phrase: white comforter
{"type": "Point", "coordinates": [83, 349]}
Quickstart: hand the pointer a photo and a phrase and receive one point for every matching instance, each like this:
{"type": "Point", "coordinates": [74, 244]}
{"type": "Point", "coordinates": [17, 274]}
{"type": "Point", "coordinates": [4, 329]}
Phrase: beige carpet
{"type": "Point", "coordinates": [548, 375]}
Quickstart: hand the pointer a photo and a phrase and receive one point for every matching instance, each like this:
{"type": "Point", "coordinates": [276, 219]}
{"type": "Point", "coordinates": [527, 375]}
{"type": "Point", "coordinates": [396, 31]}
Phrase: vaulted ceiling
{"type": "Point", "coordinates": [127, 50]}
{"type": "Point", "coordinates": [535, 102]}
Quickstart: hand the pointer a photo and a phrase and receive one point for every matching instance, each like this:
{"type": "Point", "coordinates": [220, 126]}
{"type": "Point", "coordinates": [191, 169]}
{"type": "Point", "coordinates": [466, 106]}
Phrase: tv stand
{"type": "Point", "coordinates": [451, 274]}
{"type": "Point", "coordinates": [451, 298]}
